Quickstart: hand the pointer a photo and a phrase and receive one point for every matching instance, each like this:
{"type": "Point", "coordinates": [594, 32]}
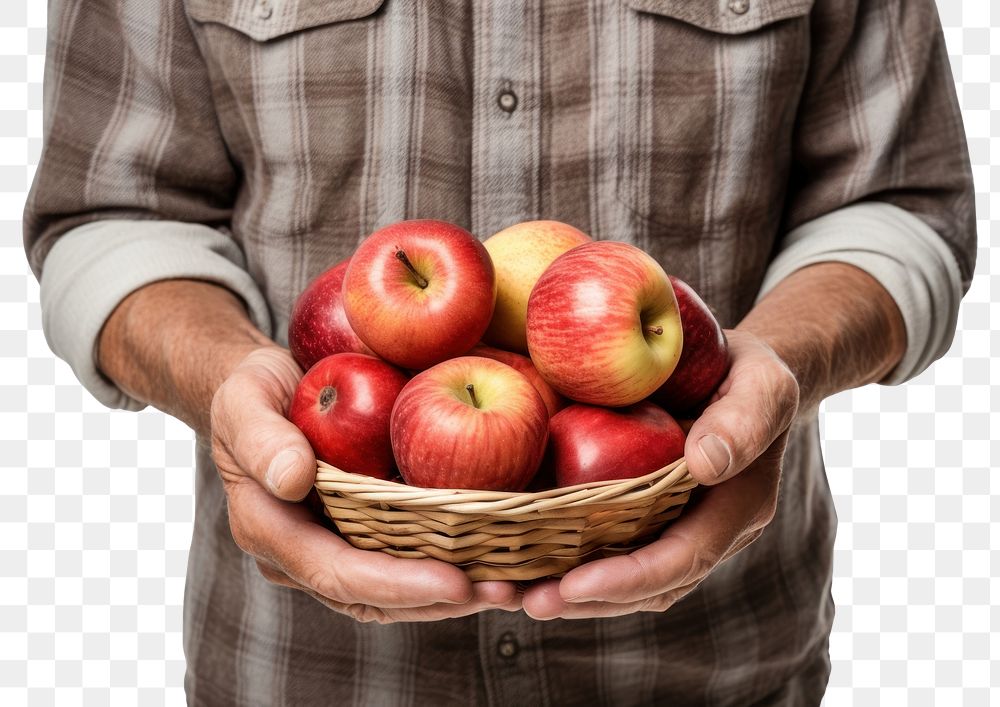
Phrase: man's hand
{"type": "Point", "coordinates": [825, 328]}
{"type": "Point", "coordinates": [735, 448]}
{"type": "Point", "coordinates": [266, 464]}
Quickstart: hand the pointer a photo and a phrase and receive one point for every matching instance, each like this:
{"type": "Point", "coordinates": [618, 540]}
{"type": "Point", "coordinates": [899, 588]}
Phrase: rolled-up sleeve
{"type": "Point", "coordinates": [135, 183]}
{"type": "Point", "coordinates": [881, 176]}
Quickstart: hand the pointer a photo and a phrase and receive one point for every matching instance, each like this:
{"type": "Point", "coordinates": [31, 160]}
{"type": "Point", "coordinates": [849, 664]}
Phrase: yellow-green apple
{"type": "Point", "coordinates": [588, 443]}
{"type": "Point", "coordinates": [523, 365]}
{"type": "Point", "coordinates": [343, 405]}
{"type": "Point", "coordinates": [704, 360]}
{"type": "Point", "coordinates": [520, 255]}
{"type": "Point", "coordinates": [419, 292]}
{"type": "Point", "coordinates": [318, 326]}
{"type": "Point", "coordinates": [603, 326]}
{"type": "Point", "coordinates": [471, 423]}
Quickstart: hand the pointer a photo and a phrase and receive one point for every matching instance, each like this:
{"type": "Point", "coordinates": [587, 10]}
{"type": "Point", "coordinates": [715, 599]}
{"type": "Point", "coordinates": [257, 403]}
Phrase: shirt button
{"type": "Point", "coordinates": [739, 7]}
{"type": "Point", "coordinates": [264, 10]}
{"type": "Point", "coordinates": [507, 646]}
{"type": "Point", "coordinates": [507, 101]}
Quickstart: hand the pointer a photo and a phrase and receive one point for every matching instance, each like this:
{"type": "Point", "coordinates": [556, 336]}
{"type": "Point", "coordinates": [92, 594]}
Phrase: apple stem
{"type": "Point", "coordinates": [472, 394]}
{"type": "Point", "coordinates": [421, 280]}
{"type": "Point", "coordinates": [327, 397]}
{"type": "Point", "coordinates": [658, 330]}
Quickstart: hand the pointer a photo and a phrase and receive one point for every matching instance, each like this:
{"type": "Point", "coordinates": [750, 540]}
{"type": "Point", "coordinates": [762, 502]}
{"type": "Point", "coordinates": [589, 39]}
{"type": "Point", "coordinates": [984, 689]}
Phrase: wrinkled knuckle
{"type": "Point", "coordinates": [241, 536]}
{"type": "Point", "coordinates": [766, 515]}
{"type": "Point", "coordinates": [319, 580]}
{"type": "Point", "coordinates": [647, 583]}
{"type": "Point", "coordinates": [271, 574]}
{"type": "Point", "coordinates": [789, 388]}
{"type": "Point", "coordinates": [659, 603]}
{"type": "Point", "coordinates": [700, 562]}
{"type": "Point", "coordinates": [362, 613]}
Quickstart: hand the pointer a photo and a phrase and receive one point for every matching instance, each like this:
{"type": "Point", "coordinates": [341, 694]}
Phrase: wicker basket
{"type": "Point", "coordinates": [503, 535]}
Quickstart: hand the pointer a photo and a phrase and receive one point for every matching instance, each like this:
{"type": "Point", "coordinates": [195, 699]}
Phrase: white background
{"type": "Point", "coordinates": [95, 506]}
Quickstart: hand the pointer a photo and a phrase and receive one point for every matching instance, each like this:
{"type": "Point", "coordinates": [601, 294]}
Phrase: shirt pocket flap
{"type": "Point", "coordinates": [725, 16]}
{"type": "Point", "coordinates": [267, 19]}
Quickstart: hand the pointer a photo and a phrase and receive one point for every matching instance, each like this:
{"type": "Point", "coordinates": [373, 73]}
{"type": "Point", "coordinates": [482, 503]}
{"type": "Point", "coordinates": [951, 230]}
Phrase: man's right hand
{"type": "Point", "coordinates": [267, 465]}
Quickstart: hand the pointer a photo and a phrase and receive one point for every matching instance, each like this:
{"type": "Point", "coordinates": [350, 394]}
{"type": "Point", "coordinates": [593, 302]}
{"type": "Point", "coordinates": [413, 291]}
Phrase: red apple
{"type": "Point", "coordinates": [419, 292]}
{"type": "Point", "coordinates": [523, 365]}
{"type": "Point", "coordinates": [588, 443]}
{"type": "Point", "coordinates": [318, 326]}
{"type": "Point", "coordinates": [343, 405]}
{"type": "Point", "coordinates": [471, 423]}
{"type": "Point", "coordinates": [603, 326]}
{"type": "Point", "coordinates": [705, 358]}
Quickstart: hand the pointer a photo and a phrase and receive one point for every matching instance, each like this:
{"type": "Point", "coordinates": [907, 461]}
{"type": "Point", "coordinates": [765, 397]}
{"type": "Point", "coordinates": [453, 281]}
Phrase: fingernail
{"type": "Point", "coordinates": [717, 453]}
{"type": "Point", "coordinates": [282, 466]}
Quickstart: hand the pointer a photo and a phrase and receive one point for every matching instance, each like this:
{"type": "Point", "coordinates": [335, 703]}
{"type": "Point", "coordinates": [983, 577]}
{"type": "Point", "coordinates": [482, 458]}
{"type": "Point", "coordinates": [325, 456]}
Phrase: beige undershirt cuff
{"type": "Point", "coordinates": [92, 268]}
{"type": "Point", "coordinates": [910, 260]}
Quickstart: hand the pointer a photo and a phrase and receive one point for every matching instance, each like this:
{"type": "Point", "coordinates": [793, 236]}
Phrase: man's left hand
{"type": "Point", "coordinates": [735, 450]}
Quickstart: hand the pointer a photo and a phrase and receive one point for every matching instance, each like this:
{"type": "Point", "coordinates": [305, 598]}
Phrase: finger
{"type": "Point", "coordinates": [726, 517]}
{"type": "Point", "coordinates": [757, 402]}
{"type": "Point", "coordinates": [286, 537]}
{"type": "Point", "coordinates": [543, 602]}
{"type": "Point", "coordinates": [486, 595]}
{"type": "Point", "coordinates": [248, 421]}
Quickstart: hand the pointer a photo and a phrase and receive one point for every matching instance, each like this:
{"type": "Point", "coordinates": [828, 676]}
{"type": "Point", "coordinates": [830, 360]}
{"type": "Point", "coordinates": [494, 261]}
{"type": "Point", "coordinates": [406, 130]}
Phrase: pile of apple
{"type": "Point", "coordinates": [538, 355]}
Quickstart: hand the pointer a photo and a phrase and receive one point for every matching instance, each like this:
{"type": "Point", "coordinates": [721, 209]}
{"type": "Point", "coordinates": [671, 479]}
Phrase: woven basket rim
{"type": "Point", "coordinates": [330, 479]}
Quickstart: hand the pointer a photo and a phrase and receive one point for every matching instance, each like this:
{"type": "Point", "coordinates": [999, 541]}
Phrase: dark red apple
{"type": "Point", "coordinates": [471, 423]}
{"type": "Point", "coordinates": [419, 292]}
{"type": "Point", "coordinates": [343, 405]}
{"type": "Point", "coordinates": [588, 443]}
{"type": "Point", "coordinates": [318, 326]}
{"type": "Point", "coordinates": [704, 358]}
{"type": "Point", "coordinates": [523, 365]}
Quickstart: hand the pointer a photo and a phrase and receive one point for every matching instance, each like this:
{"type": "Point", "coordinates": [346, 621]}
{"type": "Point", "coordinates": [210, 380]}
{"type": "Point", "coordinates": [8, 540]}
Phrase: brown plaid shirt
{"type": "Point", "coordinates": [700, 130]}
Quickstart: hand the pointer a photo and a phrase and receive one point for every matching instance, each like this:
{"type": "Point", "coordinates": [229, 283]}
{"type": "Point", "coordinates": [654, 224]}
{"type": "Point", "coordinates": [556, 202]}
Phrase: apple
{"type": "Point", "coordinates": [603, 325]}
{"type": "Point", "coordinates": [471, 423]}
{"type": "Point", "coordinates": [705, 358]}
{"type": "Point", "coordinates": [343, 405]}
{"type": "Point", "coordinates": [419, 292]}
{"type": "Point", "coordinates": [318, 326]}
{"type": "Point", "coordinates": [520, 254]}
{"type": "Point", "coordinates": [523, 365]}
{"type": "Point", "coordinates": [588, 443]}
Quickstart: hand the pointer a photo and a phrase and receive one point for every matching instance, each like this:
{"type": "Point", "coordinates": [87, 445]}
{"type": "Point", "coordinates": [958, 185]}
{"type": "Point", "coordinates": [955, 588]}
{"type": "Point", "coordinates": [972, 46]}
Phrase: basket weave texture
{"type": "Point", "coordinates": [504, 535]}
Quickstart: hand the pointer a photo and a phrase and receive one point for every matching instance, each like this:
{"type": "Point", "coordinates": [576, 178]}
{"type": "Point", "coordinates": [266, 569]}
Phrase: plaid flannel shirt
{"type": "Point", "coordinates": [255, 142]}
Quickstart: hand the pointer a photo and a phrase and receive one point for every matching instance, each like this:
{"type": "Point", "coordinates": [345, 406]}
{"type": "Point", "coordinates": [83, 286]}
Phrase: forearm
{"type": "Point", "coordinates": [173, 342]}
{"type": "Point", "coordinates": [834, 326]}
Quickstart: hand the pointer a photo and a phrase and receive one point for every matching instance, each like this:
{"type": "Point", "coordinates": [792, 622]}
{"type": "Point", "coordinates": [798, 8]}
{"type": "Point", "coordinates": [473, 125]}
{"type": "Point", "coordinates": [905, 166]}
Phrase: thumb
{"type": "Point", "coordinates": [758, 402]}
{"type": "Point", "coordinates": [250, 430]}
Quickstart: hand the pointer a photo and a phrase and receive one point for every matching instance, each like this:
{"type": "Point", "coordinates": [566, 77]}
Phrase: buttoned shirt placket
{"type": "Point", "coordinates": [505, 190]}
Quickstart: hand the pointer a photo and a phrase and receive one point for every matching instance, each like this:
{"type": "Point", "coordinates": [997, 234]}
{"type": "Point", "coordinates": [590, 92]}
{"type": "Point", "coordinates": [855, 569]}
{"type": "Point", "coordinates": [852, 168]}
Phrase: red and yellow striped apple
{"type": "Point", "coordinates": [523, 365]}
{"type": "Point", "coordinates": [472, 423]}
{"type": "Point", "coordinates": [603, 326]}
{"type": "Point", "coordinates": [419, 292]}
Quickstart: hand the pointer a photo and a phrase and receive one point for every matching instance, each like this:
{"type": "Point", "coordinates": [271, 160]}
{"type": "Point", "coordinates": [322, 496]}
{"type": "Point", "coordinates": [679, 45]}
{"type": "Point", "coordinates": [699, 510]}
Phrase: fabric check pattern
{"type": "Point", "coordinates": [61, 581]}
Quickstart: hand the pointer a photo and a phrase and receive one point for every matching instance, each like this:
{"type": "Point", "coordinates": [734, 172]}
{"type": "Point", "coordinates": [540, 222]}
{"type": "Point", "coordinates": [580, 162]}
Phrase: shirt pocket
{"type": "Point", "coordinates": [708, 95]}
{"type": "Point", "coordinates": [264, 20]}
{"type": "Point", "coordinates": [290, 83]}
